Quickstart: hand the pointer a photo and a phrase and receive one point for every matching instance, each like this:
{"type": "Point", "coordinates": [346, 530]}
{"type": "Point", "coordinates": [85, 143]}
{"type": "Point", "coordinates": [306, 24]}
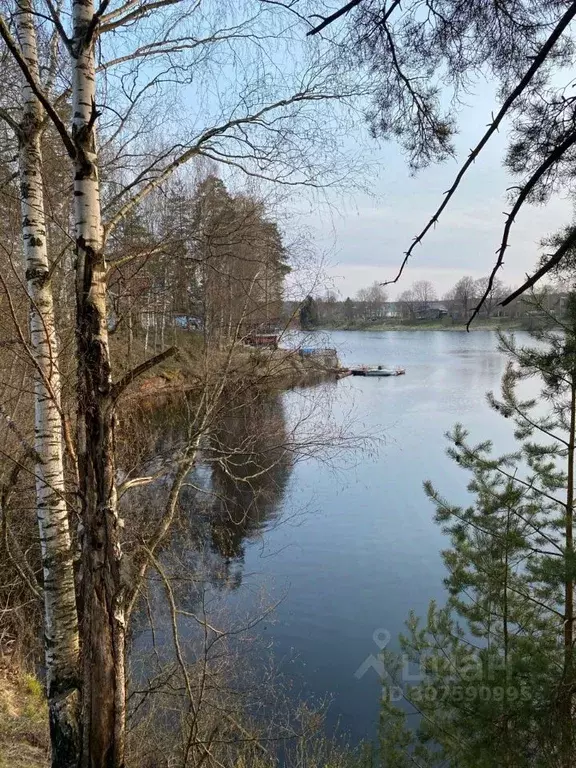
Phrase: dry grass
{"type": "Point", "coordinates": [24, 739]}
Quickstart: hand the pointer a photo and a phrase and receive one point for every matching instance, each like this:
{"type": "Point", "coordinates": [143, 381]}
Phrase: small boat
{"type": "Point", "coordinates": [377, 371]}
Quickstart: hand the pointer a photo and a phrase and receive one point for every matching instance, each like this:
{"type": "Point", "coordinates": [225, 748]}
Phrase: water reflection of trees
{"type": "Point", "coordinates": [196, 657]}
{"type": "Point", "coordinates": [251, 461]}
{"type": "Point", "coordinates": [235, 488]}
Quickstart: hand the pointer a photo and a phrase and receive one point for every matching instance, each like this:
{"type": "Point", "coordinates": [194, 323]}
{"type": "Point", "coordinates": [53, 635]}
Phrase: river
{"type": "Point", "coordinates": [346, 545]}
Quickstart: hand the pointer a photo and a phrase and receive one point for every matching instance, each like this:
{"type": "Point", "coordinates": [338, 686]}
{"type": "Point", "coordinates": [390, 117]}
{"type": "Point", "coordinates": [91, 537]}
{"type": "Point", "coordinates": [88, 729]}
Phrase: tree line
{"type": "Point", "coordinates": [421, 302]}
{"type": "Point", "coordinates": [197, 258]}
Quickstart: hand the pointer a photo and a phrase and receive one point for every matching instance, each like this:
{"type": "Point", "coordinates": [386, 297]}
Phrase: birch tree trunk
{"type": "Point", "coordinates": [103, 625]}
{"type": "Point", "coordinates": [60, 613]}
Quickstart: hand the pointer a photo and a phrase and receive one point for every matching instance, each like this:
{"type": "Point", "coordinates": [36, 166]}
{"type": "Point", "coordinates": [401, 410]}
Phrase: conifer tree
{"type": "Point", "coordinates": [497, 680]}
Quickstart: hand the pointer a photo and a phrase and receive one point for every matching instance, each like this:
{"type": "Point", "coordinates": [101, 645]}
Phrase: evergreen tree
{"type": "Point", "coordinates": [241, 262]}
{"type": "Point", "coordinates": [497, 678]}
{"type": "Point", "coordinates": [349, 310]}
{"type": "Point", "coordinates": [308, 314]}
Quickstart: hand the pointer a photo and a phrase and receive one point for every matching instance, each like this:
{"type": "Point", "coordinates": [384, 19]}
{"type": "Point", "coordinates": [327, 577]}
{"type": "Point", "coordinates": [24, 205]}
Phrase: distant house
{"type": "Point", "coordinates": [391, 310]}
{"type": "Point", "coordinates": [188, 323]}
{"type": "Point", "coordinates": [434, 310]}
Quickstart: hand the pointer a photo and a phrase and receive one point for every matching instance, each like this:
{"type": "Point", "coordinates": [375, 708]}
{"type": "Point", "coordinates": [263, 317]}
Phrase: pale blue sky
{"type": "Point", "coordinates": [361, 237]}
{"type": "Point", "coordinates": [364, 239]}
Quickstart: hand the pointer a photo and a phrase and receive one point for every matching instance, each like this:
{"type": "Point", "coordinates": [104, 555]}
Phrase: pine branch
{"type": "Point", "coordinates": [346, 9]}
{"type": "Point", "coordinates": [492, 128]}
{"type": "Point", "coordinates": [542, 169]}
{"type": "Point", "coordinates": [569, 243]}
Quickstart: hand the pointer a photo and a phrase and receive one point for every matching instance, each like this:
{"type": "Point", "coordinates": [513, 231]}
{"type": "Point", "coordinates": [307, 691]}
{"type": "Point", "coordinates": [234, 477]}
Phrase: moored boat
{"type": "Point", "coordinates": [377, 371]}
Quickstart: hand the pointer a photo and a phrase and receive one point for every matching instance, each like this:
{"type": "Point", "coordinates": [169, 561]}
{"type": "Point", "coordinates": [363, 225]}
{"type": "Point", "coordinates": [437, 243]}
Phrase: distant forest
{"type": "Point", "coordinates": [420, 304]}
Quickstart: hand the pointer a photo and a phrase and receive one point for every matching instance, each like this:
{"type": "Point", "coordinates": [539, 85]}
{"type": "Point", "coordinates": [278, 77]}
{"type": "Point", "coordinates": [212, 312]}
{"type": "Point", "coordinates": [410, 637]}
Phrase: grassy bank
{"type": "Point", "coordinates": [261, 369]}
{"type": "Point", "coordinates": [24, 740]}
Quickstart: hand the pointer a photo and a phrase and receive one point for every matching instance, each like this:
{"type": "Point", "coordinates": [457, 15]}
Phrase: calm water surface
{"type": "Point", "coordinates": [351, 552]}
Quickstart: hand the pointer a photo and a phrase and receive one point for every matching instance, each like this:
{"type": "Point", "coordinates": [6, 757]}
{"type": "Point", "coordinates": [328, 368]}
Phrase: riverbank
{"type": "Point", "coordinates": [265, 370]}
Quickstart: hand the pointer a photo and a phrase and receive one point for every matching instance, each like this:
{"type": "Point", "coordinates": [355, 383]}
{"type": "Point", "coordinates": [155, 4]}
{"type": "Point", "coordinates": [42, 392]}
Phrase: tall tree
{"type": "Point", "coordinates": [462, 297]}
{"type": "Point", "coordinates": [60, 616]}
{"type": "Point", "coordinates": [493, 294]}
{"type": "Point", "coordinates": [349, 310]}
{"type": "Point", "coordinates": [424, 294]}
{"type": "Point", "coordinates": [114, 171]}
{"type": "Point", "coordinates": [373, 298]}
{"type": "Point", "coordinates": [309, 314]}
{"type": "Point", "coordinates": [497, 663]}
{"type": "Point", "coordinates": [408, 304]}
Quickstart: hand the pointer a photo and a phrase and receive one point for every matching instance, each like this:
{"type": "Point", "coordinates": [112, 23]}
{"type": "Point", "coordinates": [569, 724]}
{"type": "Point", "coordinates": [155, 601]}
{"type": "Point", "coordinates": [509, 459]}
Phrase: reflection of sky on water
{"type": "Point", "coordinates": [368, 551]}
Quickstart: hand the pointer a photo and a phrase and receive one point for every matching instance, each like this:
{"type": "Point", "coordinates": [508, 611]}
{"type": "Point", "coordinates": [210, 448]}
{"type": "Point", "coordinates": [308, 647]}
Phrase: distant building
{"type": "Point", "coordinates": [435, 310]}
{"type": "Point", "coordinates": [392, 310]}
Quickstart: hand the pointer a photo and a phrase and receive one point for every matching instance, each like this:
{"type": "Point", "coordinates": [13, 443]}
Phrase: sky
{"type": "Point", "coordinates": [363, 236]}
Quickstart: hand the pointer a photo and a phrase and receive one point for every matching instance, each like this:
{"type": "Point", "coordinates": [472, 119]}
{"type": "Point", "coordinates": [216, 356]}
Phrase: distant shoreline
{"type": "Point", "coordinates": [432, 326]}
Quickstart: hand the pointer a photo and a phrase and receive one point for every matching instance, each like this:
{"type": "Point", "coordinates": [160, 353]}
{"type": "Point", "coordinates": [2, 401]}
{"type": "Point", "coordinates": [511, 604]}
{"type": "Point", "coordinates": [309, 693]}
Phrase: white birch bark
{"type": "Point", "coordinates": [60, 613]}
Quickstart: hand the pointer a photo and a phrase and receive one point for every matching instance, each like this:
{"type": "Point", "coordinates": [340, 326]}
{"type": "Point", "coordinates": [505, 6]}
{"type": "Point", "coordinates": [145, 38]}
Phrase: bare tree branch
{"type": "Point", "coordinates": [54, 15]}
{"type": "Point", "coordinates": [93, 26]}
{"type": "Point", "coordinates": [336, 15]}
{"type": "Point", "coordinates": [121, 385]}
{"type": "Point", "coordinates": [493, 127]}
{"type": "Point", "coordinates": [191, 152]}
{"type": "Point", "coordinates": [7, 117]}
{"type": "Point", "coordinates": [344, 10]}
{"type": "Point", "coordinates": [107, 21]}
{"type": "Point", "coordinates": [12, 46]}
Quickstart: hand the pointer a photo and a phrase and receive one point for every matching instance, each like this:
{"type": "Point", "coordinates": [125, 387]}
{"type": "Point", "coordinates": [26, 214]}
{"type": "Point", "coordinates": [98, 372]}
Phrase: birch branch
{"type": "Point", "coordinates": [7, 117]}
{"type": "Point", "coordinates": [126, 380]}
{"type": "Point", "coordinates": [93, 26]}
{"type": "Point", "coordinates": [175, 45]}
{"type": "Point", "coordinates": [12, 46]}
{"type": "Point", "coordinates": [107, 23]}
{"type": "Point", "coordinates": [195, 150]}
{"type": "Point", "coordinates": [59, 27]}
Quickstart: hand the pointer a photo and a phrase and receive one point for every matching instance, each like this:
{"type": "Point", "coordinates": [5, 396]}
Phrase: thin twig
{"type": "Point", "coordinates": [542, 169]}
